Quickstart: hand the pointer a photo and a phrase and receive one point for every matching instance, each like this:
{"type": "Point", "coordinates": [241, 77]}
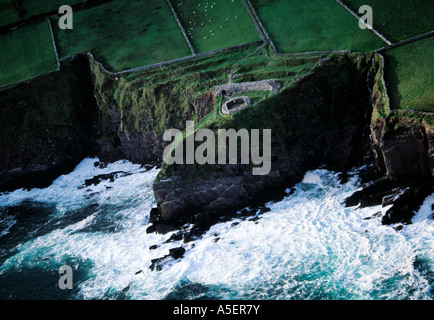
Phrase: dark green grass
{"type": "Point", "coordinates": [314, 25]}
{"type": "Point", "coordinates": [217, 25]}
{"type": "Point", "coordinates": [125, 34]}
{"type": "Point", "coordinates": [26, 52]}
{"type": "Point", "coordinates": [399, 19]}
{"type": "Point", "coordinates": [7, 13]}
{"type": "Point", "coordinates": [409, 73]}
{"type": "Point", "coordinates": [10, 14]}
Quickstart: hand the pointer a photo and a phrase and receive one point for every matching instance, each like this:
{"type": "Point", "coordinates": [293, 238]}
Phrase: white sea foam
{"type": "Point", "coordinates": [308, 246]}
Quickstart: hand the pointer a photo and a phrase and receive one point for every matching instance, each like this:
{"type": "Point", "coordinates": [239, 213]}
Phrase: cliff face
{"type": "Point", "coordinates": [48, 126]}
{"type": "Point", "coordinates": [321, 120]}
{"type": "Point", "coordinates": [52, 122]}
{"type": "Point", "coordinates": [134, 112]}
{"type": "Point", "coordinates": [403, 151]}
{"type": "Point", "coordinates": [403, 148]}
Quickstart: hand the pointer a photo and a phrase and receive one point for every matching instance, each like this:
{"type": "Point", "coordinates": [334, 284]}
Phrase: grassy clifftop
{"type": "Point", "coordinates": [137, 108]}
{"type": "Point", "coordinates": [387, 99]}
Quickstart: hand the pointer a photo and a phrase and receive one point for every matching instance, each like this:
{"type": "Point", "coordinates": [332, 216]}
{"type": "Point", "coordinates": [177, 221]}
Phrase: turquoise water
{"type": "Point", "coordinates": [308, 246]}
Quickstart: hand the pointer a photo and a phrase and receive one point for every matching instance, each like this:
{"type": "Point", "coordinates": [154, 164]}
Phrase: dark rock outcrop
{"type": "Point", "coordinates": [403, 157]}
{"type": "Point", "coordinates": [403, 148]}
{"type": "Point", "coordinates": [175, 254]}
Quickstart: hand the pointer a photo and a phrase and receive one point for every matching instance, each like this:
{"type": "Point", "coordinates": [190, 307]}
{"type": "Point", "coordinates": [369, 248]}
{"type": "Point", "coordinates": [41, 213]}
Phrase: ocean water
{"type": "Point", "coordinates": [308, 246]}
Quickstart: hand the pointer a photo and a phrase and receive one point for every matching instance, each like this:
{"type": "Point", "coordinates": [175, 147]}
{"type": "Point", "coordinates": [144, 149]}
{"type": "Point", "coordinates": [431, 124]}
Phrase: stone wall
{"type": "Point", "coordinates": [232, 89]}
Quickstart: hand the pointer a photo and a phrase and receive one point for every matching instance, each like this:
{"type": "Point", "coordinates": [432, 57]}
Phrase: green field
{"type": "Point", "coordinates": [124, 34]}
{"type": "Point", "coordinates": [10, 14]}
{"type": "Point", "coordinates": [409, 73]}
{"type": "Point", "coordinates": [215, 25]}
{"type": "Point", "coordinates": [398, 20]}
{"type": "Point", "coordinates": [314, 25]}
{"type": "Point", "coordinates": [26, 52]}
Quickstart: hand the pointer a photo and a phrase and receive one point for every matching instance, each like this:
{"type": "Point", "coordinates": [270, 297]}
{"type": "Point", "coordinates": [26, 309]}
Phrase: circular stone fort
{"type": "Point", "coordinates": [239, 103]}
{"type": "Point", "coordinates": [236, 104]}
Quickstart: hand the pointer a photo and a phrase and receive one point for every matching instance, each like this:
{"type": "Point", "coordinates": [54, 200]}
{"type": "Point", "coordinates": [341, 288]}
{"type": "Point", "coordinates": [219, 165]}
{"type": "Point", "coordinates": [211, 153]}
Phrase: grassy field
{"type": "Point", "coordinates": [314, 25]}
{"type": "Point", "coordinates": [409, 73]}
{"type": "Point", "coordinates": [125, 34]}
{"type": "Point", "coordinates": [399, 19]}
{"type": "Point", "coordinates": [10, 14]}
{"type": "Point", "coordinates": [215, 25]}
{"type": "Point", "coordinates": [26, 52]}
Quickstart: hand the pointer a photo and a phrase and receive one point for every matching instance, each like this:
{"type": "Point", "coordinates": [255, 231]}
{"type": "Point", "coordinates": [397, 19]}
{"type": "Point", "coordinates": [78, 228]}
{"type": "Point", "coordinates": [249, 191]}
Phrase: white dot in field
{"type": "Point", "coordinates": [204, 37]}
{"type": "Point", "coordinates": [236, 17]}
{"type": "Point", "coordinates": [209, 20]}
{"type": "Point", "coordinates": [201, 24]}
{"type": "Point", "coordinates": [221, 27]}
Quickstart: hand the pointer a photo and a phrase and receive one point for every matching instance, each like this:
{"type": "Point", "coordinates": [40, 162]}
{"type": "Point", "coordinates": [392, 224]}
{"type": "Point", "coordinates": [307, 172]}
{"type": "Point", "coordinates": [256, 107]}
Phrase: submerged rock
{"type": "Point", "coordinates": [175, 253]}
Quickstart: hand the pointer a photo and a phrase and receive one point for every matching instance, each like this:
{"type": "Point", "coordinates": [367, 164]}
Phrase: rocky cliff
{"type": "Point", "coordinates": [48, 125]}
{"type": "Point", "coordinates": [403, 158]}
{"type": "Point", "coordinates": [322, 120]}
{"type": "Point", "coordinates": [335, 116]}
{"type": "Point", "coordinates": [403, 148]}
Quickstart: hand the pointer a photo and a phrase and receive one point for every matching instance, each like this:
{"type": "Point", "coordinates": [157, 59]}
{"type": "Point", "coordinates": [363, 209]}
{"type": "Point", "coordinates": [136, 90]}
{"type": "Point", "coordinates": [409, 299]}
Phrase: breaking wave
{"type": "Point", "coordinates": [308, 246]}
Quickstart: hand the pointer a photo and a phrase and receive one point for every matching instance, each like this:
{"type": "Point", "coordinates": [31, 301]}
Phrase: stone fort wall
{"type": "Point", "coordinates": [232, 89]}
